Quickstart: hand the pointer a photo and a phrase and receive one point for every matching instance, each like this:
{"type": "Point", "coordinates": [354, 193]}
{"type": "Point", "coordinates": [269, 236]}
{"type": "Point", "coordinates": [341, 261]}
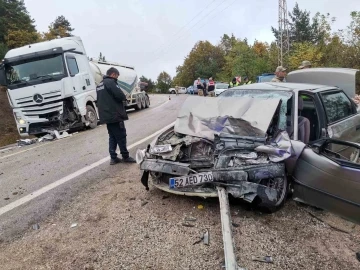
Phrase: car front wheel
{"type": "Point", "coordinates": [281, 185]}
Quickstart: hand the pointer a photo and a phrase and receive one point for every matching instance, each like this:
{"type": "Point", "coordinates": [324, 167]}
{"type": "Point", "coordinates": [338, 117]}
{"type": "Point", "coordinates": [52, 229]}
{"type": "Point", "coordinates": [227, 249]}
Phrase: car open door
{"type": "Point", "coordinates": [328, 180]}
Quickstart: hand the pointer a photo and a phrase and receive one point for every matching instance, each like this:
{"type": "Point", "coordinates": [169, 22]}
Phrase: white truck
{"type": "Point", "coordinates": [52, 86]}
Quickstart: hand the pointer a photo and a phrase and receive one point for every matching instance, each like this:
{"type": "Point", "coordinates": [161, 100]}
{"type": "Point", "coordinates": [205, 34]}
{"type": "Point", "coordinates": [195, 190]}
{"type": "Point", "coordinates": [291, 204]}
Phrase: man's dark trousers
{"type": "Point", "coordinates": [117, 136]}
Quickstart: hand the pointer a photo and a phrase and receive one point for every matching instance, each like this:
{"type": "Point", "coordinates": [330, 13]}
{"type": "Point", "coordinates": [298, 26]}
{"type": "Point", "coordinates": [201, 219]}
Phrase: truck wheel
{"type": "Point", "coordinates": [138, 103]}
{"type": "Point", "coordinates": [91, 116]}
{"type": "Point", "coordinates": [143, 103]}
{"type": "Point", "coordinates": [147, 102]}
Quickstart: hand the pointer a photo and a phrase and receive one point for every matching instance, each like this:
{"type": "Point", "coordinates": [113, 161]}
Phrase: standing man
{"type": "Point", "coordinates": [205, 89]}
{"type": "Point", "coordinates": [200, 87]}
{"type": "Point", "coordinates": [211, 87]}
{"type": "Point", "coordinates": [305, 64]}
{"type": "Point", "coordinates": [111, 106]}
{"type": "Point", "coordinates": [280, 74]}
{"type": "Point", "coordinates": [177, 90]}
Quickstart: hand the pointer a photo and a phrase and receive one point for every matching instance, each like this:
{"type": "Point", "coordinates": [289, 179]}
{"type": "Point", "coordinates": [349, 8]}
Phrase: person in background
{"type": "Point", "coordinates": [177, 90]}
{"type": "Point", "coordinates": [280, 74]}
{"type": "Point", "coordinates": [200, 87]}
{"type": "Point", "coordinates": [205, 89]}
{"type": "Point", "coordinates": [211, 87]}
{"type": "Point", "coordinates": [305, 64]}
{"type": "Point", "coordinates": [236, 81]}
{"type": "Point", "coordinates": [112, 112]}
{"type": "Point", "coordinates": [246, 81]}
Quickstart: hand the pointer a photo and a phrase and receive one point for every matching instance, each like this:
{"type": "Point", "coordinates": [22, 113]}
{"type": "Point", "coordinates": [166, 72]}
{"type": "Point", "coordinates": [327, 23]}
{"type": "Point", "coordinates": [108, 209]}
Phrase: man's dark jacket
{"type": "Point", "coordinates": [110, 101]}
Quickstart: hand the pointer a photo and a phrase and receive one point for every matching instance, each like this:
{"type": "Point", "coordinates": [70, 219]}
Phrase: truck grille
{"type": "Point", "coordinates": [48, 97]}
{"type": "Point", "coordinates": [43, 109]}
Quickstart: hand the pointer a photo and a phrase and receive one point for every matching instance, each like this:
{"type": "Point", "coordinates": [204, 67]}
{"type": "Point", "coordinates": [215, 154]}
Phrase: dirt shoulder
{"type": "Point", "coordinates": [121, 226]}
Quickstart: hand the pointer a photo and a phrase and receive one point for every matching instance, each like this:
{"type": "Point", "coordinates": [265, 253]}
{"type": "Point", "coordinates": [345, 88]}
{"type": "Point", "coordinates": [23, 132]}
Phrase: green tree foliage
{"type": "Point", "coordinates": [60, 28]}
{"type": "Point", "coordinates": [151, 84]}
{"type": "Point", "coordinates": [16, 26]}
{"type": "Point", "coordinates": [164, 82]}
{"type": "Point", "coordinates": [205, 60]}
{"type": "Point", "coordinates": [14, 16]}
{"type": "Point", "coordinates": [304, 29]}
{"type": "Point", "coordinates": [18, 38]}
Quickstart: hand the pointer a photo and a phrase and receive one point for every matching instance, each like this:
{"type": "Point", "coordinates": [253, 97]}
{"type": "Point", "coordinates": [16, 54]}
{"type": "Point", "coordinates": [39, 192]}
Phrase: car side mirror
{"type": "Point", "coordinates": [2, 75]}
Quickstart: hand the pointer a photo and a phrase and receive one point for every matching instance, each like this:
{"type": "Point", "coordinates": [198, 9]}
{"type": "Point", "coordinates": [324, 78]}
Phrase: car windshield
{"type": "Point", "coordinates": [267, 78]}
{"type": "Point", "coordinates": [263, 94]}
{"type": "Point", "coordinates": [46, 67]}
{"type": "Point", "coordinates": [222, 86]}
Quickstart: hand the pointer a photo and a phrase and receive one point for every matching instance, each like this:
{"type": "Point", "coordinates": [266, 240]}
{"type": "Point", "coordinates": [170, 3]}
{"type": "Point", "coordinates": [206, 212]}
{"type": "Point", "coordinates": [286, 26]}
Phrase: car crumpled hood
{"type": "Point", "coordinates": [206, 116]}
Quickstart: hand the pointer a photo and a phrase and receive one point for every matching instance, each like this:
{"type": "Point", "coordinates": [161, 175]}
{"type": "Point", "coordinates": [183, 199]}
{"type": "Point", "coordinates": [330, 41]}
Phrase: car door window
{"type": "Point", "coordinates": [337, 106]}
{"type": "Point", "coordinates": [352, 161]}
{"type": "Point", "coordinates": [72, 65]}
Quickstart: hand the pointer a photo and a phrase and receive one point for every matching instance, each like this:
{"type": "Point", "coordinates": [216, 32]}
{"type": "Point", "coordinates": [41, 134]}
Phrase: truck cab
{"type": "Point", "coordinates": [50, 86]}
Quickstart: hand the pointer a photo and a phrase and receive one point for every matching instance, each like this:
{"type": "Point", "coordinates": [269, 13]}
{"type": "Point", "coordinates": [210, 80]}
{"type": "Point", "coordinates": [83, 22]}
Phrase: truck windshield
{"type": "Point", "coordinates": [50, 67]}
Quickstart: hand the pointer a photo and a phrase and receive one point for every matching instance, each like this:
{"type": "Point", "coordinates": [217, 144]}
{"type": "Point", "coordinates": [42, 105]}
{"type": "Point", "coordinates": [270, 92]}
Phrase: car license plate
{"type": "Point", "coordinates": [191, 180]}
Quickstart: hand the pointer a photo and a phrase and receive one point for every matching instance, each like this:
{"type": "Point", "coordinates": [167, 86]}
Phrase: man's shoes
{"type": "Point", "coordinates": [115, 161]}
{"type": "Point", "coordinates": [129, 160]}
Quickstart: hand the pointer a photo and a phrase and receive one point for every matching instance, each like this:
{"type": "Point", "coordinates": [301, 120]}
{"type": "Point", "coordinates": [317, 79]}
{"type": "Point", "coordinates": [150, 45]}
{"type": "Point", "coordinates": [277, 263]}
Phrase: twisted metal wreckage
{"type": "Point", "coordinates": [231, 143]}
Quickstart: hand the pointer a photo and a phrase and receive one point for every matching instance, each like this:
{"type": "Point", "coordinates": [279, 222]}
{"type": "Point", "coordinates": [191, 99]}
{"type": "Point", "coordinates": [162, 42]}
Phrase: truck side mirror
{"type": "Point", "coordinates": [2, 75]}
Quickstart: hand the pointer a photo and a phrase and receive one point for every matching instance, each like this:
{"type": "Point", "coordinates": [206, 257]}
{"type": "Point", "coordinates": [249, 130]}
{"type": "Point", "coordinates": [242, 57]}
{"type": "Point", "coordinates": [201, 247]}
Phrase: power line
{"type": "Point", "coordinates": [165, 51]}
{"type": "Point", "coordinates": [189, 30]}
{"type": "Point", "coordinates": [184, 26]}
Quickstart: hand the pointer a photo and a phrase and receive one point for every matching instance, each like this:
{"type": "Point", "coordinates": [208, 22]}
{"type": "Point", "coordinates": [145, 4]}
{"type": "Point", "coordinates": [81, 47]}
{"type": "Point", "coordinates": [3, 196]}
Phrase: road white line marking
{"type": "Point", "coordinates": [65, 179]}
{"type": "Point", "coordinates": [66, 138]}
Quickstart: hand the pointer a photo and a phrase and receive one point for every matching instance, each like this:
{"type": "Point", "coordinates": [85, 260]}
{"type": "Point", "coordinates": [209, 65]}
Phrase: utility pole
{"type": "Point", "coordinates": [283, 38]}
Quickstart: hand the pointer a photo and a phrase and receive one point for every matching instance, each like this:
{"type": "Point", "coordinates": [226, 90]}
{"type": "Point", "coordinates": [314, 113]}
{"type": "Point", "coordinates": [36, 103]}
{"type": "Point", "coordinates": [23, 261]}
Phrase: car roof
{"type": "Point", "coordinates": [290, 87]}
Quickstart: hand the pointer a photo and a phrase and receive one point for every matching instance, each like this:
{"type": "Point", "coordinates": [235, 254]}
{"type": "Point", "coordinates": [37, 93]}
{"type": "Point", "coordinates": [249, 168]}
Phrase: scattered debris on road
{"type": "Point", "coordinates": [23, 142]}
{"type": "Point", "coordinates": [265, 259]}
{"type": "Point", "coordinates": [358, 256]}
{"type": "Point", "coordinates": [206, 237]}
{"type": "Point", "coordinates": [186, 224]}
{"type": "Point", "coordinates": [36, 227]}
{"type": "Point", "coordinates": [144, 203]}
{"type": "Point", "coordinates": [73, 225]}
{"type": "Point", "coordinates": [191, 219]}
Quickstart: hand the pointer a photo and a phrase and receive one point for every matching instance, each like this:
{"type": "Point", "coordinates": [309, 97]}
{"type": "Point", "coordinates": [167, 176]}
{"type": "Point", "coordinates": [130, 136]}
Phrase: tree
{"type": "Point", "coordinates": [304, 51]}
{"type": "Point", "coordinates": [62, 22]}
{"type": "Point", "coordinates": [227, 43]}
{"type": "Point", "coordinates": [163, 82]}
{"type": "Point", "coordinates": [304, 29]}
{"type": "Point", "coordinates": [205, 60]}
{"type": "Point", "coordinates": [14, 16]}
{"type": "Point", "coordinates": [18, 38]}
{"type": "Point", "coordinates": [3, 50]}
{"type": "Point", "coordinates": [151, 84]}
{"type": "Point", "coordinates": [60, 28]}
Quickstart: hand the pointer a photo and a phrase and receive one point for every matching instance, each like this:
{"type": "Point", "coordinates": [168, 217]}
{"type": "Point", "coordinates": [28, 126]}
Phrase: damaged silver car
{"type": "Point", "coordinates": [261, 141]}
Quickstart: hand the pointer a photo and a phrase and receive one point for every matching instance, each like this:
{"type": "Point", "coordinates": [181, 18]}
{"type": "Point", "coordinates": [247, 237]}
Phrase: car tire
{"type": "Point", "coordinates": [147, 102]}
{"type": "Point", "coordinates": [173, 92]}
{"type": "Point", "coordinates": [91, 116]}
{"type": "Point", "coordinates": [273, 207]}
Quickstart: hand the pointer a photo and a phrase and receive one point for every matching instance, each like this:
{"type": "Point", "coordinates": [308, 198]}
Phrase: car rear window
{"type": "Point", "coordinates": [337, 106]}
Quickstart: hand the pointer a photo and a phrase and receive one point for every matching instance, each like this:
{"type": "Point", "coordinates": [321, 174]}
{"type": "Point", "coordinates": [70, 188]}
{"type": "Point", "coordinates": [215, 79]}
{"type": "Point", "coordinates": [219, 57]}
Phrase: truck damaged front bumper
{"type": "Point", "coordinates": [242, 182]}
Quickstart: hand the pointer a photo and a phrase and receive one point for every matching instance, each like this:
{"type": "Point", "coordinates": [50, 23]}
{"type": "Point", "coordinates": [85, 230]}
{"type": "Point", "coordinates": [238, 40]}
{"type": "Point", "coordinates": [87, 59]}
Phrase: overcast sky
{"type": "Point", "coordinates": [156, 35]}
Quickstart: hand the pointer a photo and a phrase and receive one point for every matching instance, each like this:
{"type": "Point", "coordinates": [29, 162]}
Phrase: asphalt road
{"type": "Point", "coordinates": [36, 180]}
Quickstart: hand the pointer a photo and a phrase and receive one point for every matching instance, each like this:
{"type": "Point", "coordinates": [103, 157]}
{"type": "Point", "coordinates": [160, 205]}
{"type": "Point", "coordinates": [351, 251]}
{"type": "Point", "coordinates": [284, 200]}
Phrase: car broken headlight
{"type": "Point", "coordinates": [159, 149]}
